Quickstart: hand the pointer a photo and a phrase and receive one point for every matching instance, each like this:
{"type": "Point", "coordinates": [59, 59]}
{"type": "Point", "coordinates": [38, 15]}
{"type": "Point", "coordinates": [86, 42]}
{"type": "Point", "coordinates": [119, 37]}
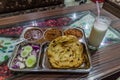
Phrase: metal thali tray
{"type": "Point", "coordinates": [19, 62]}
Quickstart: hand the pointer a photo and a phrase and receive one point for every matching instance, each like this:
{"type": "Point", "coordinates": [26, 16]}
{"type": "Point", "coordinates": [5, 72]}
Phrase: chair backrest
{"type": "Point", "coordinates": [7, 6]}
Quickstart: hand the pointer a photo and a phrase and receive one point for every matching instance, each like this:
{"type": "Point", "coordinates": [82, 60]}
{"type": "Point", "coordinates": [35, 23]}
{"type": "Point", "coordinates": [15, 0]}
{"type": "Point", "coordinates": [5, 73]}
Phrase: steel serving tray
{"type": "Point", "coordinates": [43, 65]}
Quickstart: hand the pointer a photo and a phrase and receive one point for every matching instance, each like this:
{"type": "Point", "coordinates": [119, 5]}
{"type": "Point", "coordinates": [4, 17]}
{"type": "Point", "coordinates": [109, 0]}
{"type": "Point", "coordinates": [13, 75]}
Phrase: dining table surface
{"type": "Point", "coordinates": [105, 61]}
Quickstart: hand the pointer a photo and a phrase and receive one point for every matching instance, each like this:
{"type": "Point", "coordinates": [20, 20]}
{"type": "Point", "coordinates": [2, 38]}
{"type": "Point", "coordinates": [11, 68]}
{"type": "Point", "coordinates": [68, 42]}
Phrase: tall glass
{"type": "Point", "coordinates": [98, 31]}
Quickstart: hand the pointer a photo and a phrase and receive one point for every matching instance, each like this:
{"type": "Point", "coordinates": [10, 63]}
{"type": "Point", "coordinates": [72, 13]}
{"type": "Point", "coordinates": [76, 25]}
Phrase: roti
{"type": "Point", "coordinates": [65, 52]}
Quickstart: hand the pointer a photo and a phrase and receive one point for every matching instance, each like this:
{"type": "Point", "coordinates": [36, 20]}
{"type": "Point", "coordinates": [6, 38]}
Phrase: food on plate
{"type": "Point", "coordinates": [65, 52]}
{"type": "Point", "coordinates": [52, 33]}
{"type": "Point", "coordinates": [21, 65]}
{"type": "Point", "coordinates": [73, 31]}
{"type": "Point", "coordinates": [26, 56]}
{"type": "Point", "coordinates": [33, 34]}
{"type": "Point", "coordinates": [26, 51]}
{"type": "Point", "coordinates": [29, 48]}
{"type": "Point", "coordinates": [31, 60]}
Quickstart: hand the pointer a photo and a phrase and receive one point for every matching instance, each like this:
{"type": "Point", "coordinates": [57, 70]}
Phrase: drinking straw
{"type": "Point", "coordinates": [98, 9]}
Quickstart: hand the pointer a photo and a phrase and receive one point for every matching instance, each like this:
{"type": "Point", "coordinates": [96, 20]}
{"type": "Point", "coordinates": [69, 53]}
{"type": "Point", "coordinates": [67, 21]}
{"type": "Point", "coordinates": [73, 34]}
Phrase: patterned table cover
{"type": "Point", "coordinates": [83, 19]}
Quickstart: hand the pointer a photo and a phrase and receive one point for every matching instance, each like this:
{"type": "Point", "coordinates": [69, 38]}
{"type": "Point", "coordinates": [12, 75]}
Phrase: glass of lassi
{"type": "Point", "coordinates": [98, 31]}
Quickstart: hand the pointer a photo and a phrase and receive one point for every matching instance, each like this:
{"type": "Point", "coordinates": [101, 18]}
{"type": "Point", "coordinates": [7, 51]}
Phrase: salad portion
{"type": "Point", "coordinates": [26, 56]}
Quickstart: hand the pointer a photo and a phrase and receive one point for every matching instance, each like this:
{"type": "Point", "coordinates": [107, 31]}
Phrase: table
{"type": "Point", "coordinates": [105, 61]}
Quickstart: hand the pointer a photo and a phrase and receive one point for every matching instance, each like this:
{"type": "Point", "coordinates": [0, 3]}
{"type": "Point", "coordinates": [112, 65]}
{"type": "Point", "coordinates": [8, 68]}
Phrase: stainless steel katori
{"type": "Point", "coordinates": [22, 60]}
